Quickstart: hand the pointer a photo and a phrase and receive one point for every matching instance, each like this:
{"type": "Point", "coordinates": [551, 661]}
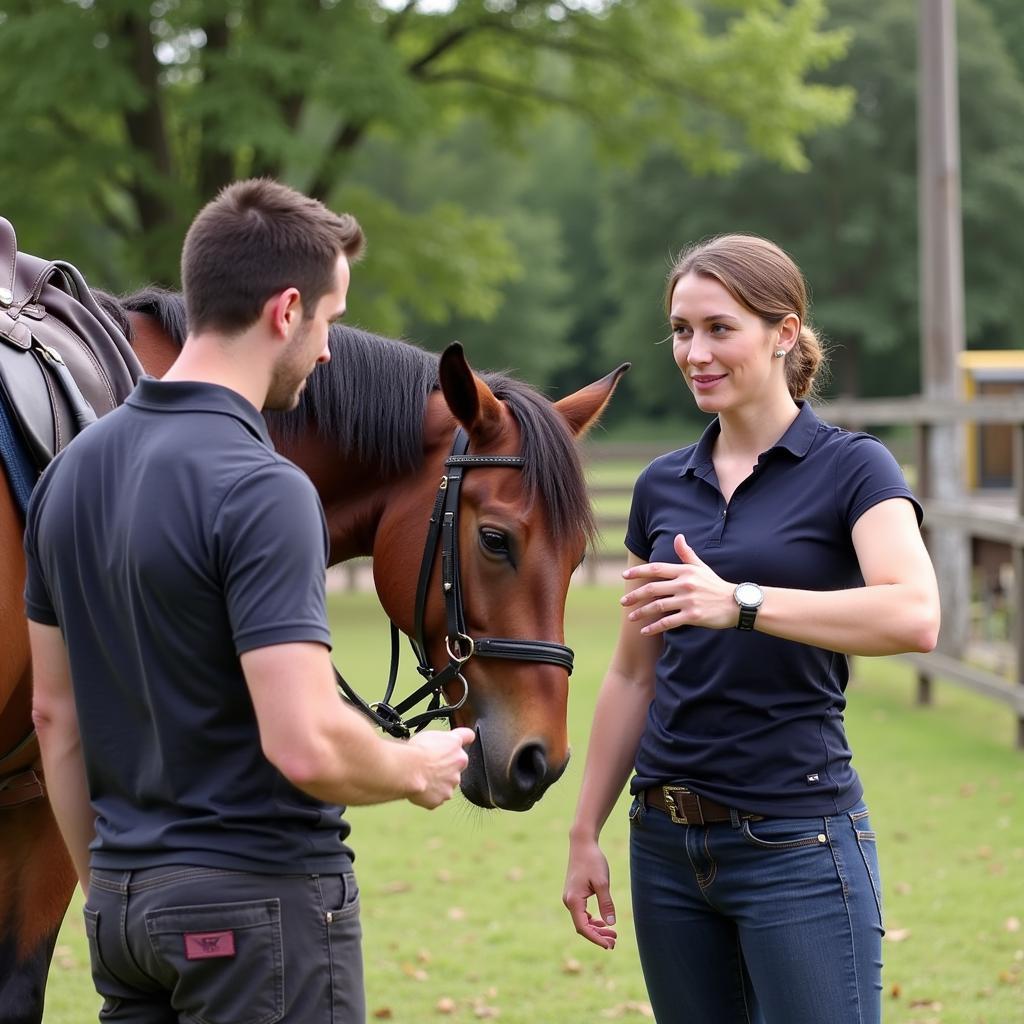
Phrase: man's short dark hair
{"type": "Point", "coordinates": [256, 238]}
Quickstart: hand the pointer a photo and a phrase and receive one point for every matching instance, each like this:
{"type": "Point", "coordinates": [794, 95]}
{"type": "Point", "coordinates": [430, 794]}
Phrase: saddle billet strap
{"type": "Point", "coordinates": [21, 779]}
{"type": "Point", "coordinates": [20, 789]}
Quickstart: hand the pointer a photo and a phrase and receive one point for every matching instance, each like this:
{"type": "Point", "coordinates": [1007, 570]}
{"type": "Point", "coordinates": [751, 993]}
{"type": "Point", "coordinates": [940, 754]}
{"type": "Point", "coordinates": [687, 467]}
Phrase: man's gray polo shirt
{"type": "Point", "coordinates": [165, 541]}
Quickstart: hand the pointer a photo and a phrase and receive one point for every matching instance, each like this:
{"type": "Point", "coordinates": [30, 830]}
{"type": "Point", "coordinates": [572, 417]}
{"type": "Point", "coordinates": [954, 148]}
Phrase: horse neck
{"type": "Point", "coordinates": [354, 493]}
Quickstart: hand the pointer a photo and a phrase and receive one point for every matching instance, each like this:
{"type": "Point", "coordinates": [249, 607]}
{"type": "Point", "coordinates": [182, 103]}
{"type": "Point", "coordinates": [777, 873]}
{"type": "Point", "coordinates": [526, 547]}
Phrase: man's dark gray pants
{"type": "Point", "coordinates": [180, 943]}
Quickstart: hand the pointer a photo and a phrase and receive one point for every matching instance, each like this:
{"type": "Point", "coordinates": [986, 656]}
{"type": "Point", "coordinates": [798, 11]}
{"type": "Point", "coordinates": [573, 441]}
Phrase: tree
{"type": "Point", "coordinates": [850, 220]}
{"type": "Point", "coordinates": [155, 104]}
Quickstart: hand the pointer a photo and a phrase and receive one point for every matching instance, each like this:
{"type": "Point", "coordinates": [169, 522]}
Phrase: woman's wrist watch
{"type": "Point", "coordinates": [750, 597]}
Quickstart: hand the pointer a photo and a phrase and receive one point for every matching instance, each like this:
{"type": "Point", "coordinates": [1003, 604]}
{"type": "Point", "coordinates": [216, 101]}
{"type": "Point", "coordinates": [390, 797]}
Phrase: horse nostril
{"type": "Point", "coordinates": [529, 767]}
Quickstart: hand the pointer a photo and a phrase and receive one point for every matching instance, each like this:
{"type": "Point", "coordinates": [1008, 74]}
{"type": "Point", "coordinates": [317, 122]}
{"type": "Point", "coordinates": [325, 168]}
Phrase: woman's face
{"type": "Point", "coordinates": [724, 351]}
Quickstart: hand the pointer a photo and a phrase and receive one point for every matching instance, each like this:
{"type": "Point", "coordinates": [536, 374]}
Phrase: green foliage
{"type": "Point", "coordinates": [851, 219]}
{"type": "Point", "coordinates": [123, 117]}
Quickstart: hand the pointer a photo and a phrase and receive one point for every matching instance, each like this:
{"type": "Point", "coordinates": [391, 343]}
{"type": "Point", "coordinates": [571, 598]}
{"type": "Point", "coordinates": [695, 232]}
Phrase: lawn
{"type": "Point", "coordinates": [461, 907]}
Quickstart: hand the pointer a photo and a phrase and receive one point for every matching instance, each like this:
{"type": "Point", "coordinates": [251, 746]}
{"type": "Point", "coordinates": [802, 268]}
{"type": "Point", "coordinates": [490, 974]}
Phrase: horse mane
{"type": "Point", "coordinates": [370, 399]}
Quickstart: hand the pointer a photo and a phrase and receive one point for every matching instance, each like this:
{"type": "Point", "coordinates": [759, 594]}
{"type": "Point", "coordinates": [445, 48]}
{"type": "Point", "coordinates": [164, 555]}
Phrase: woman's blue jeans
{"type": "Point", "coordinates": [777, 921]}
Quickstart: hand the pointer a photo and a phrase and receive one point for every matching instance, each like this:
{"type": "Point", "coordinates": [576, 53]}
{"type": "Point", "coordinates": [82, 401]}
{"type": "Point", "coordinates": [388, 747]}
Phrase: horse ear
{"type": "Point", "coordinates": [471, 401]}
{"type": "Point", "coordinates": [583, 409]}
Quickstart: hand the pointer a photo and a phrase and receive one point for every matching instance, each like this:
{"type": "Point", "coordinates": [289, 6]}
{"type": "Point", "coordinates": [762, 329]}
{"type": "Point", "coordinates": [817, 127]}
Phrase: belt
{"type": "Point", "coordinates": [687, 808]}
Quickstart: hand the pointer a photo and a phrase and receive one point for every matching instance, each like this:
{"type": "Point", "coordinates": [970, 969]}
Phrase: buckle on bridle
{"type": "Point", "coordinates": [457, 656]}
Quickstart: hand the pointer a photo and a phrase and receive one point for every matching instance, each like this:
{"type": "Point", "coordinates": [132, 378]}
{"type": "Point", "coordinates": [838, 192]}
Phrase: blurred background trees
{"type": "Point", "coordinates": [526, 170]}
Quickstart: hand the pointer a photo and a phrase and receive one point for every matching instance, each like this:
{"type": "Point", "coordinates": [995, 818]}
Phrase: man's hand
{"type": "Point", "coordinates": [443, 759]}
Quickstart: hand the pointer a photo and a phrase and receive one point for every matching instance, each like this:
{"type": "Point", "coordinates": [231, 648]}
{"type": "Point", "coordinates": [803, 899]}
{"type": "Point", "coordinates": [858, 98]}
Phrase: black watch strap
{"type": "Point", "coordinates": [747, 616]}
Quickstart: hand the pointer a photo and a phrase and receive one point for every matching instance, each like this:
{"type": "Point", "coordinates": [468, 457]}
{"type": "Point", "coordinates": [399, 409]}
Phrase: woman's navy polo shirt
{"type": "Point", "coordinates": [750, 720]}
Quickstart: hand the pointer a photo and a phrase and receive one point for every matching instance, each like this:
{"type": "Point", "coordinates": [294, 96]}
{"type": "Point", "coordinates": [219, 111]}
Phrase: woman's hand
{"type": "Point", "coordinates": [686, 593]}
{"type": "Point", "coordinates": [587, 876]}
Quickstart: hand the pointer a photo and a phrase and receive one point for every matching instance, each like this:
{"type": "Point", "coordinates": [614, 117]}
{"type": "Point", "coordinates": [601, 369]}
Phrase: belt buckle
{"type": "Point", "coordinates": [675, 809]}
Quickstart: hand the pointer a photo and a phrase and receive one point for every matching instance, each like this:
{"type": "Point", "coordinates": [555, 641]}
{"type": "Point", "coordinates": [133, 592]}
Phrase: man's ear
{"type": "Point", "coordinates": [283, 311]}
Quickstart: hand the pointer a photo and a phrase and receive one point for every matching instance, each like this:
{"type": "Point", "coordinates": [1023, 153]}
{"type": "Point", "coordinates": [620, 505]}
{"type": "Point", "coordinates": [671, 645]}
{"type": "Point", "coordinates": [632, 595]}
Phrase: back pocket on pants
{"type": "Point", "coordinates": [224, 962]}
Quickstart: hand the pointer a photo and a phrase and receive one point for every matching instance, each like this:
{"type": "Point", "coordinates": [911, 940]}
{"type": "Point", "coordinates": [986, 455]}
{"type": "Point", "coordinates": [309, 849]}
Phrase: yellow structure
{"type": "Point", "coordinates": [986, 373]}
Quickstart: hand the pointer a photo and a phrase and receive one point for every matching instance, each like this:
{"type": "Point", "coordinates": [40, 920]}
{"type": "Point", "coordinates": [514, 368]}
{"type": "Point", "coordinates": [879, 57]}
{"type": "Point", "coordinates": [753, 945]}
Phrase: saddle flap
{"type": "Point", "coordinates": [39, 408]}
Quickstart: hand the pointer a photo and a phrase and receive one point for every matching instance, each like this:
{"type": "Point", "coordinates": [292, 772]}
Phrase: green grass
{"type": "Point", "coordinates": [464, 905]}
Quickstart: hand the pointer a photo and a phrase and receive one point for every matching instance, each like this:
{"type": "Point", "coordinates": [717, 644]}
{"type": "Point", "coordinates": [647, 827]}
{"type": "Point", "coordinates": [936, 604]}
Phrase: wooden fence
{"type": "Point", "coordinates": [995, 518]}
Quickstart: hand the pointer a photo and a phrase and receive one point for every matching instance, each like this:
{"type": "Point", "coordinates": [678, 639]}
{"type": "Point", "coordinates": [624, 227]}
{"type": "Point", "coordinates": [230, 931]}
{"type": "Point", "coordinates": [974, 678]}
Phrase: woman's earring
{"type": "Point", "coordinates": [779, 353]}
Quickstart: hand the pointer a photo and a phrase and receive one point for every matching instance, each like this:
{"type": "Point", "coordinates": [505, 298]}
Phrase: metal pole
{"type": "Point", "coordinates": [942, 297]}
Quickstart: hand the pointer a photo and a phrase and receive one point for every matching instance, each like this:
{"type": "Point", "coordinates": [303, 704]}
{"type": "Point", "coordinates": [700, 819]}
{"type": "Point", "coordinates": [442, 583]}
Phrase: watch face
{"type": "Point", "coordinates": [749, 595]}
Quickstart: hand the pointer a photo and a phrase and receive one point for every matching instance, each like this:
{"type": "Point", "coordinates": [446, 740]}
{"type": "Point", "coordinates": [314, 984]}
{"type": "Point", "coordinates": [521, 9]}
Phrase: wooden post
{"type": "Point", "coordinates": [1018, 569]}
{"type": "Point", "coordinates": [942, 298]}
{"type": "Point", "coordinates": [924, 492]}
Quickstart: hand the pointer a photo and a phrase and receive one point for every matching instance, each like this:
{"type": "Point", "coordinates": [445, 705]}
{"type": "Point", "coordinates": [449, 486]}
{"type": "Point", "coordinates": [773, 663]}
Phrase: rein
{"type": "Point", "coordinates": [443, 532]}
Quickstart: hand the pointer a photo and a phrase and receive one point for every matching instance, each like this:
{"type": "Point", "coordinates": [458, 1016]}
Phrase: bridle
{"type": "Point", "coordinates": [443, 531]}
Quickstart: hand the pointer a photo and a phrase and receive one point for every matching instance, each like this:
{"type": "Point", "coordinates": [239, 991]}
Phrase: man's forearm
{"type": "Point", "coordinates": [66, 787]}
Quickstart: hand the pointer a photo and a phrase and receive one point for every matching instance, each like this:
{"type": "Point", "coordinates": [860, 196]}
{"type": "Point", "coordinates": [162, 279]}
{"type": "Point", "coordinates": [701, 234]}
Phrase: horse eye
{"type": "Point", "coordinates": [494, 541]}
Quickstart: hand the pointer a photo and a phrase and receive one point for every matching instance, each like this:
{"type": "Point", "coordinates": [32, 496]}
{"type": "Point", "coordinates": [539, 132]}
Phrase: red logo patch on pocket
{"type": "Point", "coordinates": [206, 945]}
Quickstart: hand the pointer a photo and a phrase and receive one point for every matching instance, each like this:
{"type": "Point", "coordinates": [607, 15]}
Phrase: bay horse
{"type": "Point", "coordinates": [373, 430]}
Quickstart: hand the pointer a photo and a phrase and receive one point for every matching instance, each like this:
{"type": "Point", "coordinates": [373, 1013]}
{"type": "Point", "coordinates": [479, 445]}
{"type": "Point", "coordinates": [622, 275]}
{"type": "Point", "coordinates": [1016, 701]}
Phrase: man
{"type": "Point", "coordinates": [195, 747]}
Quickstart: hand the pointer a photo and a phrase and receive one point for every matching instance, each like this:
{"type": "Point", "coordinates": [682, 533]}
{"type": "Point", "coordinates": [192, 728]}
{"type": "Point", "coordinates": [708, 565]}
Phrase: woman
{"type": "Point", "coordinates": [759, 558]}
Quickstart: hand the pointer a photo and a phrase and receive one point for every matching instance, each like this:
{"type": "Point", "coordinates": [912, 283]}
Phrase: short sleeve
{"type": "Point", "coordinates": [638, 534]}
{"type": "Point", "coordinates": [867, 474]}
{"type": "Point", "coordinates": [38, 601]}
{"type": "Point", "coordinates": [270, 545]}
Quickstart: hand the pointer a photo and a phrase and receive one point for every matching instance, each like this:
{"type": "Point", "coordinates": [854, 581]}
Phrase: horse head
{"type": "Point", "coordinates": [523, 523]}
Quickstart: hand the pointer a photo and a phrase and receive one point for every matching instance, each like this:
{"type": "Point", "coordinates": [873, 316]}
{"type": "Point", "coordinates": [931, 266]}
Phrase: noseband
{"type": "Point", "coordinates": [443, 532]}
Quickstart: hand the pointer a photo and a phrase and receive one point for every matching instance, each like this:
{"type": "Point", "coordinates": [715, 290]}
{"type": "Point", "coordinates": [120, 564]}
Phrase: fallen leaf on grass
{"type": "Point", "coordinates": [571, 966]}
{"type": "Point", "coordinates": [456, 914]}
{"type": "Point", "coordinates": [1013, 924]}
{"type": "Point", "coordinates": [896, 991]}
{"type": "Point", "coordinates": [630, 1009]}
{"type": "Point", "coordinates": [902, 888]}
{"type": "Point", "coordinates": [926, 1004]}
{"type": "Point", "coordinates": [64, 957]}
{"type": "Point", "coordinates": [414, 972]}
{"type": "Point", "coordinates": [515, 874]}
{"type": "Point", "coordinates": [445, 1005]}
{"type": "Point", "coordinates": [897, 934]}
{"type": "Point", "coordinates": [384, 1013]}
{"type": "Point", "coordinates": [395, 888]}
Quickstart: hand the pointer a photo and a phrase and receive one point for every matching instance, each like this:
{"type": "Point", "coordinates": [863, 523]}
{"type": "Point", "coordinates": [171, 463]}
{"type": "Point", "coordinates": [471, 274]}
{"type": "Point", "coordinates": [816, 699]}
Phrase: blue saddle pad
{"type": "Point", "coordinates": [21, 472]}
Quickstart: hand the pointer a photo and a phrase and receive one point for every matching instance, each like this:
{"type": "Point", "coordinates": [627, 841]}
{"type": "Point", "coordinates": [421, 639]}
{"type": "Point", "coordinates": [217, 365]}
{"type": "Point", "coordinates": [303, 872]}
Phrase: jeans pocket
{"type": "Point", "coordinates": [339, 895]}
{"type": "Point", "coordinates": [339, 902]}
{"type": "Point", "coordinates": [784, 833]}
{"type": "Point", "coordinates": [637, 810]}
{"type": "Point", "coordinates": [226, 960]}
{"type": "Point", "coordinates": [869, 854]}
{"type": "Point", "coordinates": [101, 976]}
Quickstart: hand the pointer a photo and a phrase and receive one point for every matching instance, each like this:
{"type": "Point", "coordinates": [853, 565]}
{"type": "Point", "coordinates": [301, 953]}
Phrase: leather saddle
{"type": "Point", "coordinates": [63, 361]}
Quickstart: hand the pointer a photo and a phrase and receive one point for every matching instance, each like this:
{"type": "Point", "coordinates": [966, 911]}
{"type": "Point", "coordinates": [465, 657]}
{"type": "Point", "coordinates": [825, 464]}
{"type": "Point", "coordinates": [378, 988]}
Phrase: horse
{"type": "Point", "coordinates": [374, 430]}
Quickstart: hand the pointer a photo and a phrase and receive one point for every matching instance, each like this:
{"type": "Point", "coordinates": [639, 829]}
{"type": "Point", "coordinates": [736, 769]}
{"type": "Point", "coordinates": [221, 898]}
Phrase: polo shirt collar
{"type": "Point", "coordinates": [797, 440]}
{"type": "Point", "coordinates": [198, 396]}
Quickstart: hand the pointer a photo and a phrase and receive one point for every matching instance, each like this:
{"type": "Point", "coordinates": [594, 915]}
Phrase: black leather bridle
{"type": "Point", "coordinates": [443, 531]}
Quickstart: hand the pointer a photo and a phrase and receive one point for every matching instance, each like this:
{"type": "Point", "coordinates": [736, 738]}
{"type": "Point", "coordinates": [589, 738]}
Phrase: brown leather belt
{"type": "Point", "coordinates": [687, 808]}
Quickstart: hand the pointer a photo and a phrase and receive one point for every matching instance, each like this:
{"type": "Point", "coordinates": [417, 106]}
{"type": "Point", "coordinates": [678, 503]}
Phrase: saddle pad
{"type": "Point", "coordinates": [21, 473]}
